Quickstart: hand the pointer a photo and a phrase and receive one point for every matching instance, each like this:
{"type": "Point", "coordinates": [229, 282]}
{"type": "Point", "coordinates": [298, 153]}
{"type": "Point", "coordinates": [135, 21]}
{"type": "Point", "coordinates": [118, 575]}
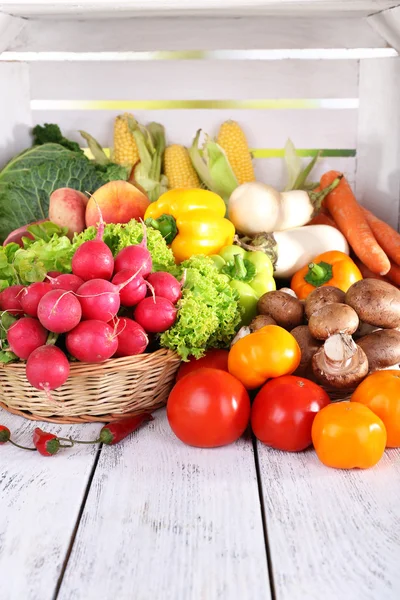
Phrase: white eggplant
{"type": "Point", "coordinates": [255, 207]}
{"type": "Point", "coordinates": [293, 249]}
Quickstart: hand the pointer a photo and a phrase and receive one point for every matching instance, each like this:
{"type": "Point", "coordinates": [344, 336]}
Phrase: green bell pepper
{"type": "Point", "coordinates": [250, 273]}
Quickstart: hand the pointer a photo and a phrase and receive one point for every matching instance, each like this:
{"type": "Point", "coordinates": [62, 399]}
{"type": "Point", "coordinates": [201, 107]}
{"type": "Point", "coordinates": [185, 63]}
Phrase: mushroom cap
{"type": "Point", "coordinates": [308, 346]}
{"type": "Point", "coordinates": [376, 302]}
{"type": "Point", "coordinates": [333, 318]}
{"type": "Point", "coordinates": [382, 348]}
{"type": "Point", "coordinates": [287, 311]}
{"type": "Point", "coordinates": [340, 363]}
{"type": "Point", "coordinates": [322, 296]}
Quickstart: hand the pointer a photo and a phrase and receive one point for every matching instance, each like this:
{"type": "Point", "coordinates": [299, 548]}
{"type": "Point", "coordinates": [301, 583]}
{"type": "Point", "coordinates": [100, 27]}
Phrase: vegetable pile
{"type": "Point", "coordinates": [290, 296]}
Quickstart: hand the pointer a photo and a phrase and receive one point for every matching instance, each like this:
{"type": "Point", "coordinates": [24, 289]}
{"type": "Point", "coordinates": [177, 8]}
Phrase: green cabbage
{"type": "Point", "coordinates": [27, 181]}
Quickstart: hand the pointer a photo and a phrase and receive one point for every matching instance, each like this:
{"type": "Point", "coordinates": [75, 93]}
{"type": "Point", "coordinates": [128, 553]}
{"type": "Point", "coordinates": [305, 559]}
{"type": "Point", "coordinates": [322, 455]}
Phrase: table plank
{"type": "Point", "coordinates": [332, 534]}
{"type": "Point", "coordinates": [164, 520]}
{"type": "Point", "coordinates": [40, 501]}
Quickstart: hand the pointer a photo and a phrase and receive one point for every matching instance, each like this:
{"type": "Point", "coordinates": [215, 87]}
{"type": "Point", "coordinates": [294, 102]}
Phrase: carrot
{"type": "Point", "coordinates": [350, 219]}
{"type": "Point", "coordinates": [322, 219]}
{"type": "Point", "coordinates": [365, 272]}
{"type": "Point", "coordinates": [394, 275]}
{"type": "Point", "coordinates": [387, 237]}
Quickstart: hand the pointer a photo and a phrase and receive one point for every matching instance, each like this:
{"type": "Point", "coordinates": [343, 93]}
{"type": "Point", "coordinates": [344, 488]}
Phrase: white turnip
{"type": "Point", "coordinates": [155, 314]}
{"type": "Point", "coordinates": [132, 338]}
{"type": "Point", "coordinates": [166, 286]}
{"type": "Point", "coordinates": [10, 300]}
{"type": "Point", "coordinates": [132, 293]}
{"type": "Point", "coordinates": [47, 368]}
{"type": "Point", "coordinates": [94, 259]}
{"type": "Point", "coordinates": [92, 341]}
{"type": "Point", "coordinates": [59, 311]}
{"type": "Point", "coordinates": [25, 335]}
{"type": "Point", "coordinates": [32, 295]}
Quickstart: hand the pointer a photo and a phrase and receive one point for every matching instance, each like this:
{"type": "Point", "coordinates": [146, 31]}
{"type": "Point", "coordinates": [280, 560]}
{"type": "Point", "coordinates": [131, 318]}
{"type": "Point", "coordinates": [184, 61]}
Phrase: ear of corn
{"type": "Point", "coordinates": [125, 147]}
{"type": "Point", "coordinates": [179, 169]}
{"type": "Point", "coordinates": [233, 140]}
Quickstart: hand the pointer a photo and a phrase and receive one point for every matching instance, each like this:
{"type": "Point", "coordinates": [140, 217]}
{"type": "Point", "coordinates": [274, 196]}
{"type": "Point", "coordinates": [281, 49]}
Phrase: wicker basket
{"type": "Point", "coordinates": [119, 387]}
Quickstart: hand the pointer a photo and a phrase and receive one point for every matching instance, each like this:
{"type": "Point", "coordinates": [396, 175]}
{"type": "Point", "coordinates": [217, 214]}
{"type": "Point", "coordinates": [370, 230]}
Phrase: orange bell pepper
{"type": "Point", "coordinates": [381, 393]}
{"type": "Point", "coordinates": [348, 435]}
{"type": "Point", "coordinates": [330, 268]}
{"type": "Point", "coordinates": [269, 352]}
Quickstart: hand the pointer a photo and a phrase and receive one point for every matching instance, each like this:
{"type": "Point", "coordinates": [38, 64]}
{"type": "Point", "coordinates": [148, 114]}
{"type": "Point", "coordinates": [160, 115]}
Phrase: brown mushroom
{"type": "Point", "coordinates": [376, 302]}
{"type": "Point", "coordinates": [382, 348]}
{"type": "Point", "coordinates": [287, 311]}
{"type": "Point", "coordinates": [340, 363]}
{"type": "Point", "coordinates": [322, 296]}
{"type": "Point", "coordinates": [261, 321]}
{"type": "Point", "coordinates": [333, 318]}
{"type": "Point", "coordinates": [308, 346]}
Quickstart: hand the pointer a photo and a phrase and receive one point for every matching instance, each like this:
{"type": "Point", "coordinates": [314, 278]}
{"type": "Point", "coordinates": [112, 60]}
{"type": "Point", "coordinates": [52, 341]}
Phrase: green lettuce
{"type": "Point", "coordinates": [209, 311]}
{"type": "Point", "coordinates": [27, 181]}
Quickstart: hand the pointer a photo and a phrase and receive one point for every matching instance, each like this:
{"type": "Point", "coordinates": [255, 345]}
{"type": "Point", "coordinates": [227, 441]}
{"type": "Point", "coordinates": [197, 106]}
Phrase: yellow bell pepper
{"type": "Point", "coordinates": [192, 221]}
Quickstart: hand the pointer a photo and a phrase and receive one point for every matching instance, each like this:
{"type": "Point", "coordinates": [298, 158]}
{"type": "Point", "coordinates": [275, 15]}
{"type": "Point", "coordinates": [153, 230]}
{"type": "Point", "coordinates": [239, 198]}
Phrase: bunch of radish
{"type": "Point", "coordinates": [81, 311]}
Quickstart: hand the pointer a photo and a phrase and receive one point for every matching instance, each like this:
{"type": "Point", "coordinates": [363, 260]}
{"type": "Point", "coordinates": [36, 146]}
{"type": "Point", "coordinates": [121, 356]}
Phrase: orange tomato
{"type": "Point", "coordinates": [381, 393]}
{"type": "Point", "coordinates": [269, 352]}
{"type": "Point", "coordinates": [348, 435]}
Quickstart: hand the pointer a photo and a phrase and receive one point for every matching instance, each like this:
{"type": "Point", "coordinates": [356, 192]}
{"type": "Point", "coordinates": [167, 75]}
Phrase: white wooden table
{"type": "Point", "coordinates": [153, 519]}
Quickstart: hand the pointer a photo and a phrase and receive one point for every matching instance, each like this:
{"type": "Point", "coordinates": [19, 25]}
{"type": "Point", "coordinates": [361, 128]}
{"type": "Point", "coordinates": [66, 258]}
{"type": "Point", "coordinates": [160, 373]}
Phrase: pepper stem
{"type": "Point", "coordinates": [166, 225]}
{"type": "Point", "coordinates": [22, 447]}
{"type": "Point", "coordinates": [317, 198]}
{"type": "Point", "coordinates": [73, 442]}
{"type": "Point", "coordinates": [318, 274]}
{"type": "Point", "coordinates": [239, 270]}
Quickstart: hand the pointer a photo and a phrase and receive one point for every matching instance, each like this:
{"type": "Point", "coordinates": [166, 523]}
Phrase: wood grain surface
{"type": "Point", "coordinates": [164, 520]}
{"type": "Point", "coordinates": [40, 500]}
{"type": "Point", "coordinates": [332, 534]}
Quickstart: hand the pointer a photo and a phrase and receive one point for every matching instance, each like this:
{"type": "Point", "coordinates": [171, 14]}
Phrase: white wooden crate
{"type": "Point", "coordinates": [159, 520]}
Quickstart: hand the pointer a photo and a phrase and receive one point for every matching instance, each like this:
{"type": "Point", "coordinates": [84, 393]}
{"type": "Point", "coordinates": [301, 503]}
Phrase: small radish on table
{"type": "Point", "coordinates": [10, 300]}
{"type": "Point", "coordinates": [59, 311]}
{"type": "Point", "coordinates": [132, 338]}
{"type": "Point", "coordinates": [32, 295]}
{"type": "Point", "coordinates": [135, 257]}
{"type": "Point", "coordinates": [94, 259]}
{"type": "Point", "coordinates": [47, 368]}
{"type": "Point", "coordinates": [155, 314]}
{"type": "Point", "coordinates": [166, 286]}
{"type": "Point", "coordinates": [92, 341]}
{"type": "Point", "coordinates": [133, 292]}
{"type": "Point", "coordinates": [26, 335]}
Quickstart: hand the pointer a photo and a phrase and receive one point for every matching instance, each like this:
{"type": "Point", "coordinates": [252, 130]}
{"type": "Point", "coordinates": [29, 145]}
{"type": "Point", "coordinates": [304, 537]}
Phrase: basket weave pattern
{"type": "Point", "coordinates": [104, 392]}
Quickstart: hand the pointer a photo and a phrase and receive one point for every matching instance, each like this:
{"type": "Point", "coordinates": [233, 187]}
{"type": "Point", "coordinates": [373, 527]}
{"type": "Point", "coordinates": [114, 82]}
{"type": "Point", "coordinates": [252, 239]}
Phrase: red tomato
{"type": "Point", "coordinates": [284, 410]}
{"type": "Point", "coordinates": [213, 359]}
{"type": "Point", "coordinates": [208, 408]}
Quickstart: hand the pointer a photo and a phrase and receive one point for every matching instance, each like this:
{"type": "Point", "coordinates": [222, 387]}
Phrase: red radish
{"type": "Point", "coordinates": [92, 341]}
{"type": "Point", "coordinates": [47, 368]}
{"type": "Point", "coordinates": [156, 314]}
{"type": "Point", "coordinates": [166, 286]}
{"type": "Point", "coordinates": [99, 300]}
{"type": "Point", "coordinates": [137, 258]}
{"type": "Point", "coordinates": [134, 291]}
{"type": "Point", "coordinates": [94, 259]}
{"type": "Point", "coordinates": [32, 295]}
{"type": "Point", "coordinates": [132, 338]}
{"type": "Point", "coordinates": [59, 311]}
{"type": "Point", "coordinates": [67, 281]}
{"type": "Point", "coordinates": [25, 335]}
{"type": "Point", "coordinates": [53, 273]}
{"type": "Point", "coordinates": [10, 300]}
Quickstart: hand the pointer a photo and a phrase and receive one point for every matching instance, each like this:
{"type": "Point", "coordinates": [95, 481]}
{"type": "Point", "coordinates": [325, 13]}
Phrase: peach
{"type": "Point", "coordinates": [67, 209]}
{"type": "Point", "coordinates": [118, 201]}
